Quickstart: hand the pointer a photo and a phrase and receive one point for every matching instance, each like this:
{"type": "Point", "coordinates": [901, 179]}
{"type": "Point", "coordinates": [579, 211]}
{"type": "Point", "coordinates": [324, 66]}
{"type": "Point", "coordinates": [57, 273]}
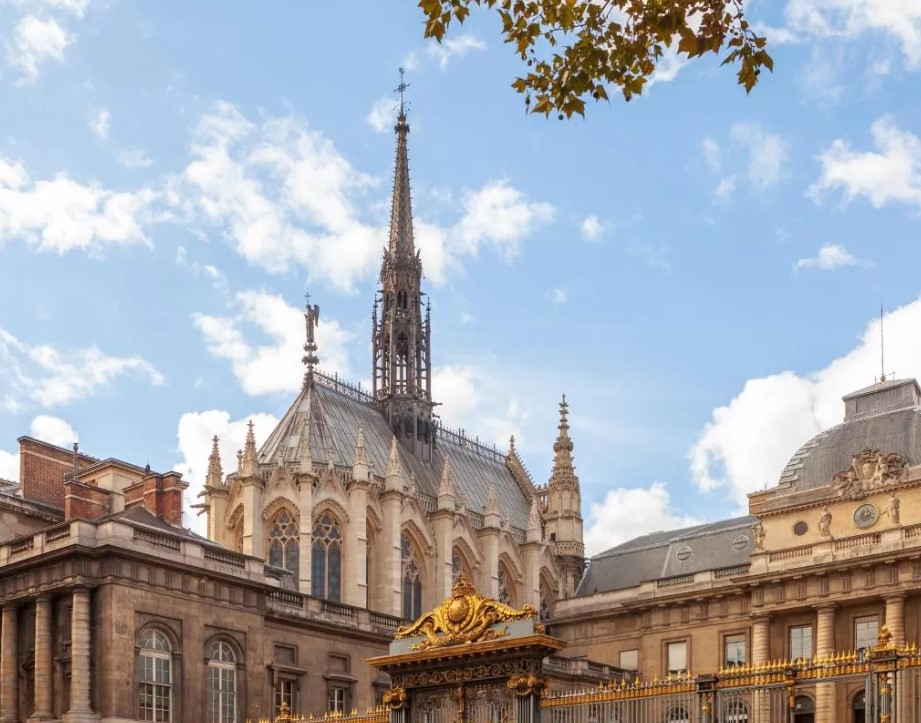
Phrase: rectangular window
{"type": "Point", "coordinates": [734, 650]}
{"type": "Point", "coordinates": [801, 642]}
{"type": "Point", "coordinates": [337, 702]}
{"type": "Point", "coordinates": [677, 657]}
{"type": "Point", "coordinates": [285, 692]}
{"type": "Point", "coordinates": [866, 630]}
{"type": "Point", "coordinates": [630, 659]}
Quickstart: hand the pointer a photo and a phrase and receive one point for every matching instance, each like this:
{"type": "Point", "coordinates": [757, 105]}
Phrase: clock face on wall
{"type": "Point", "coordinates": [866, 516]}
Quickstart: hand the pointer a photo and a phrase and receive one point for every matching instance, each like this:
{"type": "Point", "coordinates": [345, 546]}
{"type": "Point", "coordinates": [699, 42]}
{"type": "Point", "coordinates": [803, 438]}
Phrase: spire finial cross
{"type": "Point", "coordinates": [401, 88]}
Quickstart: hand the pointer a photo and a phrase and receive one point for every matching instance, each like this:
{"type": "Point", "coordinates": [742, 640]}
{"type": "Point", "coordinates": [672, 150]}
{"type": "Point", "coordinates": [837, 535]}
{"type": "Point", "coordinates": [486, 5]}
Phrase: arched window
{"type": "Point", "coordinates": [327, 558]}
{"type": "Point", "coordinates": [283, 542]}
{"type": "Point", "coordinates": [222, 683]}
{"type": "Point", "coordinates": [460, 566]}
{"type": "Point", "coordinates": [546, 600]}
{"type": "Point", "coordinates": [155, 677]}
{"type": "Point", "coordinates": [505, 595]}
{"type": "Point", "coordinates": [412, 580]}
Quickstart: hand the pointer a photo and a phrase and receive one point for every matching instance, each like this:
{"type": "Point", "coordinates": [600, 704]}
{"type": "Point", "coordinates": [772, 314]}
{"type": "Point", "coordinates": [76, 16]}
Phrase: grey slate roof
{"type": "Point", "coordinates": [884, 416]}
{"type": "Point", "coordinates": [663, 554]}
{"type": "Point", "coordinates": [336, 412]}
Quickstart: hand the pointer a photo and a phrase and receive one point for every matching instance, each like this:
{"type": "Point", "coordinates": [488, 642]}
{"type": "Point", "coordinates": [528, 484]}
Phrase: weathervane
{"type": "Point", "coordinates": [401, 88]}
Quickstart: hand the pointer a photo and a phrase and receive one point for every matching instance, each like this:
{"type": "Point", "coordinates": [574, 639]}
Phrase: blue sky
{"type": "Point", "coordinates": [700, 271]}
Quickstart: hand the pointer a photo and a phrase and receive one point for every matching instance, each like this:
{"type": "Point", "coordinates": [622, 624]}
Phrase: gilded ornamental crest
{"type": "Point", "coordinates": [869, 471]}
{"type": "Point", "coordinates": [465, 617]}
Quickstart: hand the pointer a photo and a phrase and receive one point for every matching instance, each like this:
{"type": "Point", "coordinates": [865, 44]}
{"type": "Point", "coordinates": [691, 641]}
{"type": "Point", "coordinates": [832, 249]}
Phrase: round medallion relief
{"type": "Point", "coordinates": [741, 542]}
{"type": "Point", "coordinates": [683, 553]}
{"type": "Point", "coordinates": [800, 528]}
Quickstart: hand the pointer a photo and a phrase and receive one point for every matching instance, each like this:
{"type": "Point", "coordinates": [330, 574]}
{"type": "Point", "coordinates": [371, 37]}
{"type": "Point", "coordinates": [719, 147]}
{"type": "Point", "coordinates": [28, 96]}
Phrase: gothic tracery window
{"type": "Point", "coordinates": [459, 566]}
{"type": "Point", "coordinates": [327, 558]}
{"type": "Point", "coordinates": [504, 593]}
{"type": "Point", "coordinates": [412, 579]}
{"type": "Point", "coordinates": [283, 542]}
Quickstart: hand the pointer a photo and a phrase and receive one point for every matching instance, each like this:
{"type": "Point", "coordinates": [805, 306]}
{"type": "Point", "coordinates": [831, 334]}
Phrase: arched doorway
{"type": "Point", "coordinates": [803, 709]}
{"type": "Point", "coordinates": [859, 707]}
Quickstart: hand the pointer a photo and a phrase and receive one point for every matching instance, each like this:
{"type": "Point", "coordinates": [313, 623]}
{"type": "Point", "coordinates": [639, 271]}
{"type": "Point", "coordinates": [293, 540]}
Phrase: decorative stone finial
{"type": "Point", "coordinates": [447, 484]}
{"type": "Point", "coordinates": [394, 479]}
{"type": "Point", "coordinates": [249, 452]}
{"type": "Point", "coordinates": [215, 472]}
{"type": "Point", "coordinates": [311, 319]}
{"type": "Point", "coordinates": [563, 475]}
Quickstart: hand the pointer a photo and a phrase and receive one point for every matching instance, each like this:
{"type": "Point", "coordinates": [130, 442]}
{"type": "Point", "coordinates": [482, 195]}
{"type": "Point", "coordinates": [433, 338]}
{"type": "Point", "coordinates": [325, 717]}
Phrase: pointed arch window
{"type": "Point", "coordinates": [327, 558]}
{"type": "Point", "coordinates": [222, 683]}
{"type": "Point", "coordinates": [155, 677]}
{"type": "Point", "coordinates": [412, 579]}
{"type": "Point", "coordinates": [284, 548]}
{"type": "Point", "coordinates": [505, 595]}
{"type": "Point", "coordinates": [546, 600]}
{"type": "Point", "coordinates": [459, 566]}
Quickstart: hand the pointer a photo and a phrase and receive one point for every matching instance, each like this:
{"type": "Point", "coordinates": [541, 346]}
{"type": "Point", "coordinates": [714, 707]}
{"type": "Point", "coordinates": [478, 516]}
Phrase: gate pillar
{"type": "Point", "coordinates": [470, 660]}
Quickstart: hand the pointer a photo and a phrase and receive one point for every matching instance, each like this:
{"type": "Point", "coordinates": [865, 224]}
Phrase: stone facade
{"type": "Point", "coordinates": [825, 558]}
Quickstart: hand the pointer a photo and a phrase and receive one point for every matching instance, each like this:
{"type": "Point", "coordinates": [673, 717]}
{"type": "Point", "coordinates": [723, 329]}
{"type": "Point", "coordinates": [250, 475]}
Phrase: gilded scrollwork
{"type": "Point", "coordinates": [465, 617]}
{"type": "Point", "coordinates": [527, 684]}
{"type": "Point", "coordinates": [395, 698]}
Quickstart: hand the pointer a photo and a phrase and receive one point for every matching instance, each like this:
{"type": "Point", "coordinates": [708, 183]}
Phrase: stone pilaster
{"type": "Point", "coordinates": [530, 553]}
{"type": "Point", "coordinates": [391, 591]}
{"type": "Point", "coordinates": [80, 663]}
{"type": "Point", "coordinates": [305, 534]}
{"type": "Point", "coordinates": [253, 535]}
{"type": "Point", "coordinates": [9, 690]}
{"type": "Point", "coordinates": [895, 618]}
{"type": "Point", "coordinates": [44, 672]}
{"type": "Point", "coordinates": [356, 546]}
{"type": "Point", "coordinates": [825, 645]}
{"type": "Point", "coordinates": [761, 653]}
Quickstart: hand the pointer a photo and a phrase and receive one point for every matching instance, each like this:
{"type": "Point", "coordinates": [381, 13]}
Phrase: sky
{"type": "Point", "coordinates": [700, 271]}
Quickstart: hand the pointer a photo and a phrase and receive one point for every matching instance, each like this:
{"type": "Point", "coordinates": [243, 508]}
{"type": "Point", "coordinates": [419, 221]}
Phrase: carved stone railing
{"type": "Point", "coordinates": [57, 533]}
{"type": "Point", "coordinates": [157, 539]}
{"type": "Point", "coordinates": [912, 533]}
{"type": "Point", "coordinates": [733, 571]}
{"type": "Point", "coordinates": [675, 581]}
{"type": "Point", "coordinates": [850, 543]}
{"type": "Point", "coordinates": [25, 544]}
{"type": "Point", "coordinates": [338, 610]}
{"type": "Point", "coordinates": [287, 598]}
{"type": "Point", "coordinates": [225, 557]}
{"type": "Point", "coordinates": [791, 553]}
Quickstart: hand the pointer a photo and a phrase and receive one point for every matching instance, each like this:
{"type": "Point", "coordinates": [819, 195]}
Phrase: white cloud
{"type": "Point", "coordinates": [195, 432]}
{"type": "Point", "coordinates": [134, 158]}
{"type": "Point", "coordinates": [767, 153]}
{"type": "Point", "coordinates": [557, 296]}
{"type": "Point", "coordinates": [9, 465]}
{"type": "Point", "coordinates": [627, 513]}
{"type": "Point", "coordinates": [275, 366]}
{"type": "Point", "coordinates": [593, 229]}
{"type": "Point", "coordinates": [667, 67]}
{"type": "Point", "coordinates": [901, 20]}
{"type": "Point", "coordinates": [49, 377]}
{"type": "Point", "coordinates": [53, 430]}
{"type": "Point", "coordinates": [99, 123]}
{"type": "Point", "coordinates": [748, 441]}
{"type": "Point", "coordinates": [711, 153]}
{"type": "Point", "coordinates": [891, 174]}
{"type": "Point", "coordinates": [454, 47]}
{"type": "Point", "coordinates": [829, 258]}
{"type": "Point", "coordinates": [725, 188]}
{"type": "Point", "coordinates": [383, 115]}
{"type": "Point", "coordinates": [285, 196]}
{"type": "Point", "coordinates": [61, 214]}
{"type": "Point", "coordinates": [35, 42]}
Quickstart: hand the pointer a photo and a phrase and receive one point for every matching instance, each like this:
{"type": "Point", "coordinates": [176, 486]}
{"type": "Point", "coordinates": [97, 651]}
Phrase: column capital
{"type": "Point", "coordinates": [44, 597]}
{"type": "Point", "coordinates": [825, 607]}
{"type": "Point", "coordinates": [761, 617]}
{"type": "Point", "coordinates": [896, 596]}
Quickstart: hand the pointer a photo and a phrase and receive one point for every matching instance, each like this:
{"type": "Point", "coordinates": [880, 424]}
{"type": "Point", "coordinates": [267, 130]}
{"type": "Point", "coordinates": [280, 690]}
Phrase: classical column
{"type": "Point", "coordinates": [825, 645]}
{"type": "Point", "coordinates": [895, 618]}
{"type": "Point", "coordinates": [761, 651]}
{"type": "Point", "coordinates": [43, 659]}
{"type": "Point", "coordinates": [80, 670]}
{"type": "Point", "coordinates": [9, 690]}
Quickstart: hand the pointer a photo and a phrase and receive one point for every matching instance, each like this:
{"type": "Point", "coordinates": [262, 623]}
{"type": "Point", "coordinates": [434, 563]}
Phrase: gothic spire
{"type": "Point", "coordinates": [401, 212]}
{"type": "Point", "coordinates": [563, 474]}
{"type": "Point", "coordinates": [447, 483]}
{"type": "Point", "coordinates": [215, 472]}
{"type": "Point", "coordinates": [394, 479]}
{"type": "Point", "coordinates": [248, 466]}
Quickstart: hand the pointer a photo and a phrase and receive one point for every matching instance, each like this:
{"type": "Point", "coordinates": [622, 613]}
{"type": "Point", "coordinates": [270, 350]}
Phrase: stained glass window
{"type": "Point", "coordinates": [327, 558]}
{"type": "Point", "coordinates": [412, 580]}
{"type": "Point", "coordinates": [283, 542]}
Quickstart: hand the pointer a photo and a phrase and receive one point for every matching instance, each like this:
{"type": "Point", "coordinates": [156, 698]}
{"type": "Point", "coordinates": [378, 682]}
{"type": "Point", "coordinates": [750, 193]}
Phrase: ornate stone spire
{"type": "Point", "coordinates": [400, 332]}
{"type": "Point", "coordinates": [304, 458]}
{"type": "Point", "coordinates": [491, 512]}
{"type": "Point", "coordinates": [311, 319]}
{"type": "Point", "coordinates": [215, 472]}
{"type": "Point", "coordinates": [360, 471]}
{"type": "Point", "coordinates": [563, 474]}
{"type": "Point", "coordinates": [394, 479]}
{"type": "Point", "coordinates": [511, 445]}
{"type": "Point", "coordinates": [248, 466]}
{"type": "Point", "coordinates": [240, 462]}
{"type": "Point", "coordinates": [446, 496]}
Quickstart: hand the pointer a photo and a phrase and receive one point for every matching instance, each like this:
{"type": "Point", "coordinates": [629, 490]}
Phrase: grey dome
{"type": "Point", "coordinates": [885, 416]}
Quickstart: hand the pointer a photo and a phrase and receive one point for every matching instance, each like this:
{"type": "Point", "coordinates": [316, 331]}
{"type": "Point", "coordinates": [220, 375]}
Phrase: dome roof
{"type": "Point", "coordinates": [885, 416]}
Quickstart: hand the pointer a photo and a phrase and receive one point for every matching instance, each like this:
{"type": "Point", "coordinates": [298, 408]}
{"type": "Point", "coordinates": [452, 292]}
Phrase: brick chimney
{"type": "Point", "coordinates": [160, 494]}
{"type": "Point", "coordinates": [85, 502]}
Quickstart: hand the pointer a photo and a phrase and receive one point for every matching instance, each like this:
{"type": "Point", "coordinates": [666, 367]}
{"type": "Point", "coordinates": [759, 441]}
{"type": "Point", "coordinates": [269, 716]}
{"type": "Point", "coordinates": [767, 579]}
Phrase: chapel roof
{"type": "Point", "coordinates": [336, 411]}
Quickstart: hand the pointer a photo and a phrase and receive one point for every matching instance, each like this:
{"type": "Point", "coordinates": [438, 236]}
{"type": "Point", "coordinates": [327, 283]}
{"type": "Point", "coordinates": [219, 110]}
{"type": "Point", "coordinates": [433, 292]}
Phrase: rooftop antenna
{"type": "Point", "coordinates": [882, 346]}
{"type": "Point", "coordinates": [401, 88]}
